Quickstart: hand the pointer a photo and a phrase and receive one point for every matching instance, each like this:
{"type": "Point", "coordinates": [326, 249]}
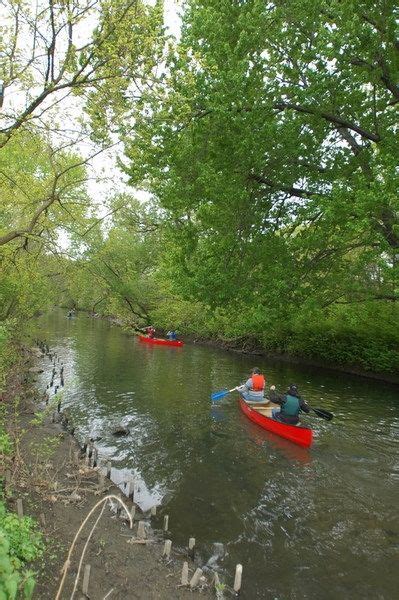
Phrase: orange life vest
{"type": "Point", "coordinates": [258, 383]}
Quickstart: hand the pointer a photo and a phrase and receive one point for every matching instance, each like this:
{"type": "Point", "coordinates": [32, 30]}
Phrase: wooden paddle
{"type": "Point", "coordinates": [320, 412]}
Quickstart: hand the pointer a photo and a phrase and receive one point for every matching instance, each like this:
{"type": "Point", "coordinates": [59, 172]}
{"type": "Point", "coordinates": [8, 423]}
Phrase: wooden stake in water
{"type": "Point", "coordinates": [119, 505]}
{"type": "Point", "coordinates": [237, 579]}
{"type": "Point", "coordinates": [166, 523]}
{"type": "Point", "coordinates": [130, 488]}
{"type": "Point", "coordinates": [132, 515]}
{"type": "Point", "coordinates": [167, 548]}
{"type": "Point", "coordinates": [101, 480]}
{"type": "Point", "coordinates": [184, 574]}
{"type": "Point", "coordinates": [191, 548]}
{"type": "Point", "coordinates": [153, 511]}
{"type": "Point", "coordinates": [196, 578]}
{"type": "Point", "coordinates": [86, 578]}
{"type": "Point", "coordinates": [109, 469]}
{"type": "Point", "coordinates": [141, 530]}
{"type": "Point", "coordinates": [20, 509]}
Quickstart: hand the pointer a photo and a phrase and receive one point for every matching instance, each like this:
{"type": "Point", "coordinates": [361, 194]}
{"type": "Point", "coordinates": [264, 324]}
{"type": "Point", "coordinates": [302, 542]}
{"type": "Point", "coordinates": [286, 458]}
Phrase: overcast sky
{"type": "Point", "coordinates": [106, 162]}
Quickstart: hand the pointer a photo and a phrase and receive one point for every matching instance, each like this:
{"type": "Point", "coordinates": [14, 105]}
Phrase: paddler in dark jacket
{"type": "Point", "coordinates": [291, 405]}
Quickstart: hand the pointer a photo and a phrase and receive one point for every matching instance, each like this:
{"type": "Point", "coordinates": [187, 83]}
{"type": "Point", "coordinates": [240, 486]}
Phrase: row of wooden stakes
{"type": "Point", "coordinates": [90, 452]}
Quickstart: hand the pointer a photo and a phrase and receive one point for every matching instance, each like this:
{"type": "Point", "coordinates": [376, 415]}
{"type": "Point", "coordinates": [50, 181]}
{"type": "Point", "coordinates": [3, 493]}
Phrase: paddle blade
{"type": "Point", "coordinates": [324, 414]}
{"type": "Point", "coordinates": [218, 395]}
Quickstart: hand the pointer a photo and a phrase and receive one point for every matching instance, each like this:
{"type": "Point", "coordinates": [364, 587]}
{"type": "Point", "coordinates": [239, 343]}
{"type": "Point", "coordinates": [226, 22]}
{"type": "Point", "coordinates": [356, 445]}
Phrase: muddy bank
{"type": "Point", "coordinates": [59, 484]}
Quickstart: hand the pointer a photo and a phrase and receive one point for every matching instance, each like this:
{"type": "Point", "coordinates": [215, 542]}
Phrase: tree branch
{"type": "Point", "coordinates": [335, 119]}
{"type": "Point", "coordinates": [293, 191]}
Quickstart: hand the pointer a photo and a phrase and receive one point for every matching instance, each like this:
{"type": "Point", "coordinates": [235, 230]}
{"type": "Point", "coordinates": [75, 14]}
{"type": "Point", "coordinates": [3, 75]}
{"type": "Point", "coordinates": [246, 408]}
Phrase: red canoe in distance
{"type": "Point", "coordinates": [160, 342]}
{"type": "Point", "coordinates": [302, 436]}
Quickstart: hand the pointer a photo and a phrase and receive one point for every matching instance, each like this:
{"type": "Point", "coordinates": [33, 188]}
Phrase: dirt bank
{"type": "Point", "coordinates": [59, 485]}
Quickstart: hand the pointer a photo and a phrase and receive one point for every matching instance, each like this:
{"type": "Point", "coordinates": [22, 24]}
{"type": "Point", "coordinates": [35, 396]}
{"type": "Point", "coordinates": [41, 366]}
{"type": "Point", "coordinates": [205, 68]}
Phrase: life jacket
{"type": "Point", "coordinates": [290, 406]}
{"type": "Point", "coordinates": [258, 383]}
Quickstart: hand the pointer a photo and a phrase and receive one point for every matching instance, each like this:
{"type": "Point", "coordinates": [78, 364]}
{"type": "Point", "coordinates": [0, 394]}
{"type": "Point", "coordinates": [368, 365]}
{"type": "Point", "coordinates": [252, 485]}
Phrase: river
{"type": "Point", "coordinates": [318, 523]}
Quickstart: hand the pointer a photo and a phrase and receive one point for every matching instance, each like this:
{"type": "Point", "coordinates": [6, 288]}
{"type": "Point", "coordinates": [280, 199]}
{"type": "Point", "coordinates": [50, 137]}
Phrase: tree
{"type": "Point", "coordinates": [52, 70]}
{"type": "Point", "coordinates": [118, 271]}
{"type": "Point", "coordinates": [276, 135]}
{"type": "Point", "coordinates": [67, 69]}
{"type": "Point", "coordinates": [271, 143]}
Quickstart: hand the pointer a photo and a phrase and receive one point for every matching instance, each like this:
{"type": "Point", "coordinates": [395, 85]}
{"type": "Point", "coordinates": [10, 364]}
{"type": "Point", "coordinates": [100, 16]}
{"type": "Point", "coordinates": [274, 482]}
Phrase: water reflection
{"type": "Point", "coordinates": [271, 442]}
{"type": "Point", "coordinates": [218, 415]}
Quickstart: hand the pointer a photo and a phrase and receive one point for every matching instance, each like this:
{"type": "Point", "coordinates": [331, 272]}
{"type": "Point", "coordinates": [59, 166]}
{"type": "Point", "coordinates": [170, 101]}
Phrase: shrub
{"type": "Point", "coordinates": [20, 543]}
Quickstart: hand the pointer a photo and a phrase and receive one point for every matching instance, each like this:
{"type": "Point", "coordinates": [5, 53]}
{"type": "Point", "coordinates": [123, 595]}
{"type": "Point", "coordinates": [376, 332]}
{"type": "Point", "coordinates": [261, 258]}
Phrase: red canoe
{"type": "Point", "coordinates": [160, 342]}
{"type": "Point", "coordinates": [295, 433]}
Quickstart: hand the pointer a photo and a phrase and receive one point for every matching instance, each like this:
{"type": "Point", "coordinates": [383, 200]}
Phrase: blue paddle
{"type": "Point", "coordinates": [221, 394]}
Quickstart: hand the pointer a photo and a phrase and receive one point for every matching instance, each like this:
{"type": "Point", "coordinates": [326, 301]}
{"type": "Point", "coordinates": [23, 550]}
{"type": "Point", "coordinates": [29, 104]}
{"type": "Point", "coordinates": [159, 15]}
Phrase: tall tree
{"type": "Point", "coordinates": [58, 60]}
{"type": "Point", "coordinates": [273, 145]}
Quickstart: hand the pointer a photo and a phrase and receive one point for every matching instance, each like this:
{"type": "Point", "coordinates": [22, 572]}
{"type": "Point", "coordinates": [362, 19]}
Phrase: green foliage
{"type": "Point", "coordinates": [41, 416]}
{"type": "Point", "coordinates": [271, 145]}
{"type": "Point", "coordinates": [118, 275]}
{"type": "Point", "coordinates": [268, 144]}
{"type": "Point", "coordinates": [8, 353]}
{"type": "Point", "coordinates": [45, 448]}
{"type": "Point", "coordinates": [25, 541]}
{"type": "Point", "coordinates": [19, 543]}
{"type": "Point", "coordinates": [42, 176]}
{"type": "Point", "coordinates": [5, 443]}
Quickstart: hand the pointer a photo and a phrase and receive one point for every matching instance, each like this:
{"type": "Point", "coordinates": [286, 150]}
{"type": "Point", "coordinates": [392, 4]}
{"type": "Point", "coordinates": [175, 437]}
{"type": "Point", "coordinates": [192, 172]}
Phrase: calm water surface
{"type": "Point", "coordinates": [320, 523]}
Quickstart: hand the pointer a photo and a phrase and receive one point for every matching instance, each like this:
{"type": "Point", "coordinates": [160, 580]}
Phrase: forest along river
{"type": "Point", "coordinates": [318, 523]}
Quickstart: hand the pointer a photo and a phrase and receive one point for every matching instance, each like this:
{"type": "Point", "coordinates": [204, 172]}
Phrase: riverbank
{"type": "Point", "coordinates": [51, 479]}
{"type": "Point", "coordinates": [252, 349]}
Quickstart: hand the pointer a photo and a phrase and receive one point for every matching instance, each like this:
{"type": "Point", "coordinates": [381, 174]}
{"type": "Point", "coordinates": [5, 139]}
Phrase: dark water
{"type": "Point", "coordinates": [320, 523]}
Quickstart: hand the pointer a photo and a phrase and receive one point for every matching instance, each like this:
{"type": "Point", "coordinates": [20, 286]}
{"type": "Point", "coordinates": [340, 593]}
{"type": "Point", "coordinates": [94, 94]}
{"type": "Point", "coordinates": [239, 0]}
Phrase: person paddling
{"type": "Point", "coordinates": [291, 405]}
{"type": "Point", "coordinates": [253, 390]}
{"type": "Point", "coordinates": [150, 330]}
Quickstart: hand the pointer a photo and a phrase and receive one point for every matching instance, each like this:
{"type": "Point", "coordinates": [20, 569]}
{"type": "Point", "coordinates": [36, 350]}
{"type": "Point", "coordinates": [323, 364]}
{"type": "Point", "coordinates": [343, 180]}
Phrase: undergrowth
{"type": "Point", "coordinates": [20, 540]}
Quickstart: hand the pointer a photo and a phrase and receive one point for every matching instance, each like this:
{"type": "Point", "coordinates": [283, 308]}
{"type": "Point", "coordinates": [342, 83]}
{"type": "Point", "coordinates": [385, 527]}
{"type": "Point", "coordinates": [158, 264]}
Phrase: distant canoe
{"type": "Point", "coordinates": [160, 342]}
{"type": "Point", "coordinates": [261, 416]}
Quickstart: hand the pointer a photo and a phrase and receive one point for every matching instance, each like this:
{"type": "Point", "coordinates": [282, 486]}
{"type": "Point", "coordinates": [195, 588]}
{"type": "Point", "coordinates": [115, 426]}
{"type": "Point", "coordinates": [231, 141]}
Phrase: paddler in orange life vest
{"type": "Point", "coordinates": [253, 390]}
